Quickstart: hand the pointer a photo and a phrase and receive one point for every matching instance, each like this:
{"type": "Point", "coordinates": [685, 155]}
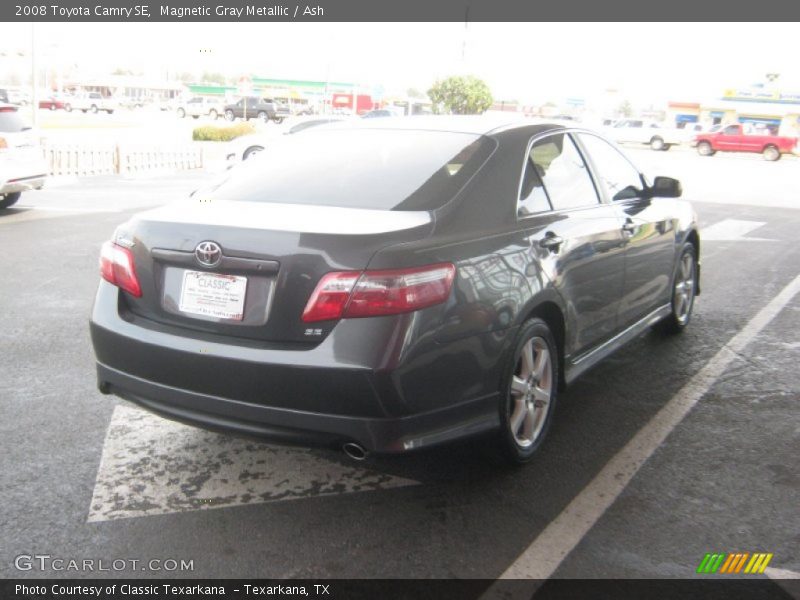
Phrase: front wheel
{"type": "Point", "coordinates": [684, 289]}
{"type": "Point", "coordinates": [657, 144]}
{"type": "Point", "coordinates": [278, 120]}
{"type": "Point", "coordinates": [181, 113]}
{"type": "Point", "coordinates": [771, 153]}
{"type": "Point", "coordinates": [529, 391]}
{"type": "Point", "coordinates": [263, 117]}
{"type": "Point", "coordinates": [93, 109]}
{"type": "Point", "coordinates": [705, 149]}
{"type": "Point", "coordinates": [213, 114]}
{"type": "Point", "coordinates": [229, 116]}
{"type": "Point", "coordinates": [68, 107]}
{"type": "Point", "coordinates": [9, 199]}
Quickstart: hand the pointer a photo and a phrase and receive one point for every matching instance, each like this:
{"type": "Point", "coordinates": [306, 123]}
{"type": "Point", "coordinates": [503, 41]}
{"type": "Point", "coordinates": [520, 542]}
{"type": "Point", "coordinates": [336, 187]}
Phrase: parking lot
{"type": "Point", "coordinates": [89, 476]}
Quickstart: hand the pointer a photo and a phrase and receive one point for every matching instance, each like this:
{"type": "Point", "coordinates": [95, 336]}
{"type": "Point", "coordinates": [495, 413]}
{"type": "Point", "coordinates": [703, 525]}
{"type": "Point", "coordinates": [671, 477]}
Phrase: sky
{"type": "Point", "coordinates": [529, 62]}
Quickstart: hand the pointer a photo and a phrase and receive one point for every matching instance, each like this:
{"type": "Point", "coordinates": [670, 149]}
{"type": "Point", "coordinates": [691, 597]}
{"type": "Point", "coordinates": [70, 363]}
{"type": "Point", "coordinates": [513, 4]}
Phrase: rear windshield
{"type": "Point", "coordinates": [10, 122]}
{"type": "Point", "coordinates": [379, 169]}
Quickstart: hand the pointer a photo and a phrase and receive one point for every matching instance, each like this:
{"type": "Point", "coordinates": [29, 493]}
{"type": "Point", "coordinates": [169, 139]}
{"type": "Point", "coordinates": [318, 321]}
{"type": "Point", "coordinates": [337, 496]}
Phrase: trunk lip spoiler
{"type": "Point", "coordinates": [234, 263]}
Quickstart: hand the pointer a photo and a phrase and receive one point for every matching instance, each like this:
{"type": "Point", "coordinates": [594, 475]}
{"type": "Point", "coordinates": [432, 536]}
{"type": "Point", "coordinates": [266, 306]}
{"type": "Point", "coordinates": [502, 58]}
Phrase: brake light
{"type": "Point", "coordinates": [117, 267]}
{"type": "Point", "coordinates": [350, 294]}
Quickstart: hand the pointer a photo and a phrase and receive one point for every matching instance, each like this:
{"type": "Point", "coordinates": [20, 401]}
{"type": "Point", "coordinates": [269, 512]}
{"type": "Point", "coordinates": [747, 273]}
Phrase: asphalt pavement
{"type": "Point", "coordinates": [87, 476]}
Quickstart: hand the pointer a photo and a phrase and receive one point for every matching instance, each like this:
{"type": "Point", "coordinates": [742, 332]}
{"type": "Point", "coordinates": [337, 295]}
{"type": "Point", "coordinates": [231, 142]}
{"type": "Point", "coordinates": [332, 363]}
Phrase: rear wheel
{"type": "Point", "coordinates": [213, 114]}
{"type": "Point", "coordinates": [529, 393]}
{"type": "Point", "coordinates": [657, 144]}
{"type": "Point", "coordinates": [705, 149]}
{"type": "Point", "coordinates": [229, 116]}
{"type": "Point", "coordinates": [771, 153]}
{"type": "Point", "coordinates": [181, 113]}
{"type": "Point", "coordinates": [684, 287]}
{"type": "Point", "coordinates": [7, 200]}
{"type": "Point", "coordinates": [263, 116]}
{"type": "Point", "coordinates": [93, 109]}
{"type": "Point", "coordinates": [68, 107]}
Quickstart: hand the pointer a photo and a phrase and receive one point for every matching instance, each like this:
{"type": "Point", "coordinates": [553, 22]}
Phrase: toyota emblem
{"type": "Point", "coordinates": [208, 254]}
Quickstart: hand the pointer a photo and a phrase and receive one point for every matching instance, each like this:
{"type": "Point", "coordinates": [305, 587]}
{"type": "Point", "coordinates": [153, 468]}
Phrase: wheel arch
{"type": "Point", "coordinates": [550, 312]}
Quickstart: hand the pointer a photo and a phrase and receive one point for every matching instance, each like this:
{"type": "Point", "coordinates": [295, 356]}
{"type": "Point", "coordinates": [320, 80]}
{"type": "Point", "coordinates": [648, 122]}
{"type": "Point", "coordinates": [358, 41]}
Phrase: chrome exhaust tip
{"type": "Point", "coordinates": [355, 451]}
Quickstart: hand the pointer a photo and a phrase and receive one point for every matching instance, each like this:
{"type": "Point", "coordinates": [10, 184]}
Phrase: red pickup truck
{"type": "Point", "coordinates": [735, 138]}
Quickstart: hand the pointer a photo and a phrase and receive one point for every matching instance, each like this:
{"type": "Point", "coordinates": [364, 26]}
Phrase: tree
{"type": "Point", "coordinates": [217, 78]}
{"type": "Point", "coordinates": [460, 95]}
{"type": "Point", "coordinates": [414, 93]}
{"type": "Point", "coordinates": [625, 109]}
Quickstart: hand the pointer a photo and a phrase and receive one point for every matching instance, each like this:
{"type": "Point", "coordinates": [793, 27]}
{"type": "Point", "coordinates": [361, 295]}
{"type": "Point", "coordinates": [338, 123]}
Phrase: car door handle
{"type": "Point", "coordinates": [629, 227]}
{"type": "Point", "coordinates": [551, 241]}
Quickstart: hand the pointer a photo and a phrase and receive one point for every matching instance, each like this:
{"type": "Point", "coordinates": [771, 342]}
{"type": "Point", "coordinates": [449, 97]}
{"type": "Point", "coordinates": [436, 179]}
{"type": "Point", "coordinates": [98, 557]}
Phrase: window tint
{"type": "Point", "coordinates": [380, 169]}
{"type": "Point", "coordinates": [614, 172]}
{"type": "Point", "coordinates": [563, 172]}
{"type": "Point", "coordinates": [731, 130]}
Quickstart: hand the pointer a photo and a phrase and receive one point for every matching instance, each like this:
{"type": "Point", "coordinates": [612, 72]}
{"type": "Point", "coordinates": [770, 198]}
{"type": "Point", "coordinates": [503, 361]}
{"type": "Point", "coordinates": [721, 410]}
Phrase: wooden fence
{"type": "Point", "coordinates": [104, 159]}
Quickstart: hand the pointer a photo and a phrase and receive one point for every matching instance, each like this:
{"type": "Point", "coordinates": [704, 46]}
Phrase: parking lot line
{"type": "Point", "coordinates": [152, 466]}
{"type": "Point", "coordinates": [541, 559]}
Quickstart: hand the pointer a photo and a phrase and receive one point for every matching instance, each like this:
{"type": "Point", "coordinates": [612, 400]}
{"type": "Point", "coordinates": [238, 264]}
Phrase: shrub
{"type": "Point", "coordinates": [214, 133]}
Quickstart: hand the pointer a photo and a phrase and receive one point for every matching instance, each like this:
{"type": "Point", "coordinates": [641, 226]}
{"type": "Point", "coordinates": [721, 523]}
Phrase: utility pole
{"type": "Point", "coordinates": [34, 94]}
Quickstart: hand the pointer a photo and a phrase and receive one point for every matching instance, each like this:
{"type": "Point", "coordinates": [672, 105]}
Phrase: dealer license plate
{"type": "Point", "coordinates": [213, 295]}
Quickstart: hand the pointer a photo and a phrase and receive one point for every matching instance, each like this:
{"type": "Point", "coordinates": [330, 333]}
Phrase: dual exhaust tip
{"type": "Point", "coordinates": [355, 451]}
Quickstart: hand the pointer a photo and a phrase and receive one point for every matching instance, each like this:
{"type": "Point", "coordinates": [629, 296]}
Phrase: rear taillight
{"type": "Point", "coordinates": [352, 294]}
{"type": "Point", "coordinates": [117, 267]}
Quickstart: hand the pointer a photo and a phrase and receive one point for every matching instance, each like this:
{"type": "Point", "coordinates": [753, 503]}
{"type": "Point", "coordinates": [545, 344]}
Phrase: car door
{"type": "Point", "coordinates": [576, 238]}
{"type": "Point", "coordinates": [728, 138]}
{"type": "Point", "coordinates": [648, 229]}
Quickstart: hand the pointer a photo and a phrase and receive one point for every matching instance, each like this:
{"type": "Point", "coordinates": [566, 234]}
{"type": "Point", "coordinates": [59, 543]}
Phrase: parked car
{"type": "Point", "coordinates": [354, 287]}
{"type": "Point", "coordinates": [247, 146]}
{"type": "Point", "coordinates": [644, 131]}
{"type": "Point", "coordinates": [737, 138]}
{"type": "Point", "coordinates": [56, 102]}
{"type": "Point", "coordinates": [253, 107]}
{"type": "Point", "coordinates": [4, 96]}
{"type": "Point", "coordinates": [93, 102]}
{"type": "Point", "coordinates": [380, 112]}
{"type": "Point", "coordinates": [22, 163]}
{"type": "Point", "coordinates": [201, 106]}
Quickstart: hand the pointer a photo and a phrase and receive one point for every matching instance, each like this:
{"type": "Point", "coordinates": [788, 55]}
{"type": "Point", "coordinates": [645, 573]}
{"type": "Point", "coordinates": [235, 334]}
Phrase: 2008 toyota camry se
{"type": "Point", "coordinates": [395, 283]}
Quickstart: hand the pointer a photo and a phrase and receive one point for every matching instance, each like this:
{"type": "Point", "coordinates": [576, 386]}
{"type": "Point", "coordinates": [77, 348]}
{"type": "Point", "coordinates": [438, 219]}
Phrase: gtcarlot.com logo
{"type": "Point", "coordinates": [734, 562]}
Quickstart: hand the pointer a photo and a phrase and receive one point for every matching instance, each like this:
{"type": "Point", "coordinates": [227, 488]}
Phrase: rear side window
{"type": "Point", "coordinates": [383, 169]}
{"type": "Point", "coordinates": [564, 176]}
{"type": "Point", "coordinates": [10, 122]}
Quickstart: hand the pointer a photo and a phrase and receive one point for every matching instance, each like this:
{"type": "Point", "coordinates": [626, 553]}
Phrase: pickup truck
{"type": "Point", "coordinates": [643, 131]}
{"type": "Point", "coordinates": [252, 107]}
{"type": "Point", "coordinates": [92, 102]}
{"type": "Point", "coordinates": [738, 138]}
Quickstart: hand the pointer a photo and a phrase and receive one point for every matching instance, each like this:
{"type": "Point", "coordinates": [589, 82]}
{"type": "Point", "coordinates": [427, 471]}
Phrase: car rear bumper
{"type": "Point", "coordinates": [22, 184]}
{"type": "Point", "coordinates": [382, 435]}
{"type": "Point", "coordinates": [330, 394]}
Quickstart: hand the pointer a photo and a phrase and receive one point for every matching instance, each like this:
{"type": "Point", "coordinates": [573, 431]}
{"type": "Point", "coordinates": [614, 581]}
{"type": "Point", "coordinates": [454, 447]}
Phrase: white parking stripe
{"type": "Point", "coordinates": [774, 573]}
{"type": "Point", "coordinates": [152, 466]}
{"type": "Point", "coordinates": [732, 230]}
{"type": "Point", "coordinates": [541, 559]}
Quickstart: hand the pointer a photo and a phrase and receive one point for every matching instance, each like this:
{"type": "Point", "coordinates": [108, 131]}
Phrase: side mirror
{"type": "Point", "coordinates": [666, 187]}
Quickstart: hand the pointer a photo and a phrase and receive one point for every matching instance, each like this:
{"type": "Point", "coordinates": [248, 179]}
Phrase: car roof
{"type": "Point", "coordinates": [475, 124]}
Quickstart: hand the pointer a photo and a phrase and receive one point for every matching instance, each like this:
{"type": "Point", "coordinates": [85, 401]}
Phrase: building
{"type": "Point", "coordinates": [769, 108]}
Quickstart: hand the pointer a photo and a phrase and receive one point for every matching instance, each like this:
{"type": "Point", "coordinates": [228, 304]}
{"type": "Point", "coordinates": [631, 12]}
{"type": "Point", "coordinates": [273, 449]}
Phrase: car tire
{"type": "Point", "coordinates": [110, 111]}
{"type": "Point", "coordinates": [263, 117]}
{"type": "Point", "coordinates": [229, 116]}
{"type": "Point", "coordinates": [9, 199]}
{"type": "Point", "coordinates": [195, 116]}
{"type": "Point", "coordinates": [657, 144]}
{"type": "Point", "coordinates": [52, 107]}
{"type": "Point", "coordinates": [83, 110]}
{"type": "Point", "coordinates": [771, 153]}
{"type": "Point", "coordinates": [213, 114]}
{"type": "Point", "coordinates": [93, 109]}
{"type": "Point", "coordinates": [705, 149]}
{"type": "Point", "coordinates": [667, 147]}
{"type": "Point", "coordinates": [684, 291]}
{"type": "Point", "coordinates": [528, 393]}
{"type": "Point", "coordinates": [278, 120]}
{"type": "Point", "coordinates": [68, 107]}
{"type": "Point", "coordinates": [252, 150]}
{"type": "Point", "coordinates": [181, 113]}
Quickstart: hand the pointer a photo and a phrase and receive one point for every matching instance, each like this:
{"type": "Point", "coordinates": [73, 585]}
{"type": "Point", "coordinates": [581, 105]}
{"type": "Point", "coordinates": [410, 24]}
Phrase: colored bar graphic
{"type": "Point", "coordinates": [733, 562]}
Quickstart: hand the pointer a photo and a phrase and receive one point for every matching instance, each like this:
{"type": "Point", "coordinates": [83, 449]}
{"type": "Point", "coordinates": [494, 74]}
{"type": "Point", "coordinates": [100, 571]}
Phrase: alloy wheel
{"type": "Point", "coordinates": [683, 295]}
{"type": "Point", "coordinates": [531, 392]}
